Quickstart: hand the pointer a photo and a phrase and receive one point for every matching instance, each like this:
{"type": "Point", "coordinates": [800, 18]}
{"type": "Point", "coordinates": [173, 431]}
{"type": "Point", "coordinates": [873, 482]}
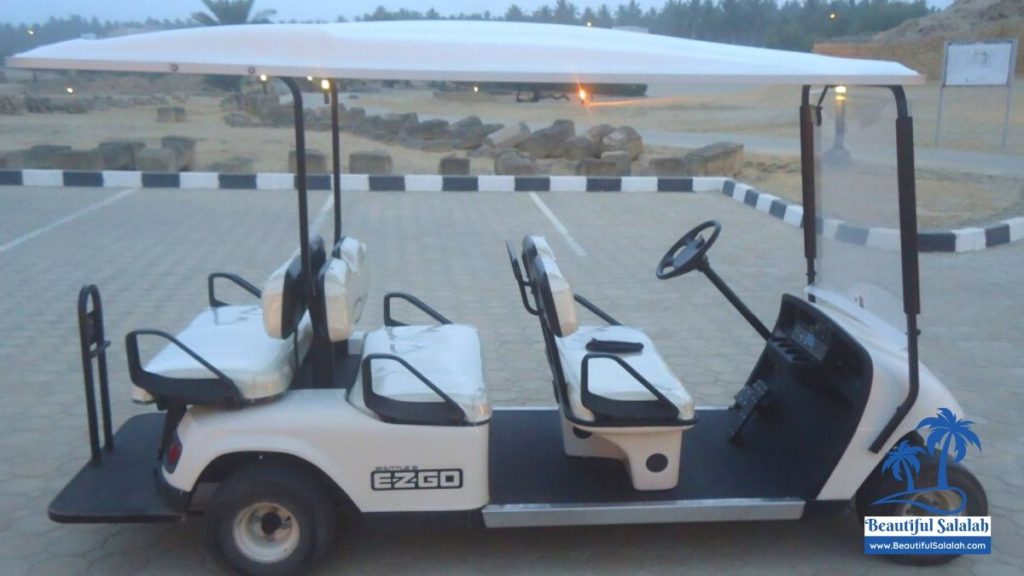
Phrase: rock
{"type": "Point", "coordinates": [625, 139]}
{"type": "Point", "coordinates": [38, 105]}
{"type": "Point", "coordinates": [233, 165]}
{"type": "Point", "coordinates": [389, 126]}
{"type": "Point", "coordinates": [549, 142]}
{"type": "Point", "coordinates": [597, 133]}
{"type": "Point", "coordinates": [240, 120]}
{"type": "Point", "coordinates": [316, 161]}
{"type": "Point", "coordinates": [172, 114]}
{"type": "Point", "coordinates": [352, 118]}
{"type": "Point", "coordinates": [43, 155]}
{"type": "Point", "coordinates": [13, 160]}
{"type": "Point", "coordinates": [435, 129]}
{"type": "Point", "coordinates": [718, 159]}
{"type": "Point", "coordinates": [78, 160]}
{"type": "Point", "coordinates": [581, 147]}
{"type": "Point", "coordinates": [666, 167]}
{"type": "Point", "coordinates": [11, 105]}
{"type": "Point", "coordinates": [157, 160]}
{"type": "Point", "coordinates": [369, 163]}
{"type": "Point", "coordinates": [597, 167]}
{"type": "Point", "coordinates": [120, 155]}
{"type": "Point", "coordinates": [508, 137]}
{"type": "Point", "coordinates": [454, 166]}
{"type": "Point", "coordinates": [470, 132]}
{"type": "Point", "coordinates": [514, 163]}
{"type": "Point", "coordinates": [184, 148]}
{"type": "Point", "coordinates": [621, 158]}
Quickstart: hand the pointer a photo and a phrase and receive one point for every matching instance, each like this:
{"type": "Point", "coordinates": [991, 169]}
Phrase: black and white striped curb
{"type": "Point", "coordinates": [957, 240]}
{"type": "Point", "coordinates": [350, 182]}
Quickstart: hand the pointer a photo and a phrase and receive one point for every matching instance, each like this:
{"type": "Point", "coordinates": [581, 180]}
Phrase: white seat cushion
{"type": "Point", "coordinates": [232, 339]}
{"type": "Point", "coordinates": [448, 355]}
{"type": "Point", "coordinates": [608, 379]}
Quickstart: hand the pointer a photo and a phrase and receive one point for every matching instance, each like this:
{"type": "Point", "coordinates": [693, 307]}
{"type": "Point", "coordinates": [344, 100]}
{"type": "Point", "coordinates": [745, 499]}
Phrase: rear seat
{"type": "Point", "coordinates": [426, 374]}
{"type": "Point", "coordinates": [619, 399]}
{"type": "Point", "coordinates": [233, 353]}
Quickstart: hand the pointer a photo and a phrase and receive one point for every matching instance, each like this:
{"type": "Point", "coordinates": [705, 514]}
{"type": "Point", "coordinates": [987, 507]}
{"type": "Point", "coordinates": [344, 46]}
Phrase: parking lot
{"type": "Point", "coordinates": [149, 251]}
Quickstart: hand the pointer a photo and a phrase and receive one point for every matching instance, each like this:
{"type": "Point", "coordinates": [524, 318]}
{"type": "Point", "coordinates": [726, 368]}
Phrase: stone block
{"type": "Point", "coordinates": [170, 114]}
{"type": "Point", "coordinates": [316, 161]}
{"type": "Point", "coordinates": [184, 147]}
{"type": "Point", "coordinates": [78, 160]}
{"type": "Point", "coordinates": [718, 159]}
{"type": "Point", "coordinates": [514, 163]}
{"type": "Point", "coordinates": [369, 163]}
{"type": "Point", "coordinates": [157, 160]}
{"type": "Point", "coordinates": [120, 155]}
{"type": "Point", "coordinates": [667, 167]}
{"type": "Point", "coordinates": [453, 166]}
{"type": "Point", "coordinates": [43, 156]}
{"type": "Point", "coordinates": [581, 147]}
{"type": "Point", "coordinates": [597, 167]}
{"type": "Point", "coordinates": [621, 158]}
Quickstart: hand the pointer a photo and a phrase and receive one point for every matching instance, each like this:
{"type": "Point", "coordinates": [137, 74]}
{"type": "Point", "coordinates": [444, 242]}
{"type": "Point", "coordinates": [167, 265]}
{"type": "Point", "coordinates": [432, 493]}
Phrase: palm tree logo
{"type": "Point", "coordinates": [902, 460]}
{"type": "Point", "coordinates": [948, 435]}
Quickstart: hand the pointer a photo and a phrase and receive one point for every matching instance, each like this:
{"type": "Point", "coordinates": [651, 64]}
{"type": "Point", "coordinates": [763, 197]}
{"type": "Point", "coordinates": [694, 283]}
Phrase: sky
{"type": "Point", "coordinates": [34, 11]}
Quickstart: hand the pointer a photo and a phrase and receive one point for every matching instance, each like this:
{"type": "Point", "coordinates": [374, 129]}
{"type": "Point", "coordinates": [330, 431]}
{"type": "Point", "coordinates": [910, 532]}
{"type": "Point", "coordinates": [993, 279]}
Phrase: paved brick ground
{"type": "Point", "coordinates": [150, 251]}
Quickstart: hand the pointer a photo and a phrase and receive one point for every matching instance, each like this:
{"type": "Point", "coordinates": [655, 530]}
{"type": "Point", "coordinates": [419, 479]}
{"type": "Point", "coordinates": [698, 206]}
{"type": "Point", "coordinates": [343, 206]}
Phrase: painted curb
{"type": "Point", "coordinates": [965, 239]}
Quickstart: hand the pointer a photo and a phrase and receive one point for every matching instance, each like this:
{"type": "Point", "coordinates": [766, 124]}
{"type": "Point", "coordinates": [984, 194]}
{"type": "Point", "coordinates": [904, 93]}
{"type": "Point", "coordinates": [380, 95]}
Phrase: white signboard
{"type": "Point", "coordinates": [979, 64]}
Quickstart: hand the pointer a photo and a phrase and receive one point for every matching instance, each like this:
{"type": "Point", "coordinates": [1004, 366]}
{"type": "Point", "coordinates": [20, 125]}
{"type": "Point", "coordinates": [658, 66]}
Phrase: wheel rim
{"type": "Point", "coordinates": [939, 499]}
{"type": "Point", "coordinates": [266, 532]}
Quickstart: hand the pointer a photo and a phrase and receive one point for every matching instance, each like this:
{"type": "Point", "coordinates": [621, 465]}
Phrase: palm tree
{"type": "Point", "coordinates": [950, 431]}
{"type": "Point", "coordinates": [223, 12]}
{"type": "Point", "coordinates": [903, 461]}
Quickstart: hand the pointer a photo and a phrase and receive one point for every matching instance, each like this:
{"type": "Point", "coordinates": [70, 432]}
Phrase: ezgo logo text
{"type": "Point", "coordinates": [933, 515]}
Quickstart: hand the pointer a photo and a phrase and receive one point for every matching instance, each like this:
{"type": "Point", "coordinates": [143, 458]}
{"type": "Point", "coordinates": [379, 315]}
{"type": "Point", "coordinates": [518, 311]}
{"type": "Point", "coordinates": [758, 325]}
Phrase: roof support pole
{"type": "Point", "coordinates": [808, 171]}
{"type": "Point", "coordinates": [908, 256]}
{"type": "Point", "coordinates": [336, 158]}
{"type": "Point", "coordinates": [300, 185]}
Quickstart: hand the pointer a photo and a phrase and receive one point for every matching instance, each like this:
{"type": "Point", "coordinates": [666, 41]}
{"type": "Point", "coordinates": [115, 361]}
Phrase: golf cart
{"type": "Point", "coordinates": [296, 416]}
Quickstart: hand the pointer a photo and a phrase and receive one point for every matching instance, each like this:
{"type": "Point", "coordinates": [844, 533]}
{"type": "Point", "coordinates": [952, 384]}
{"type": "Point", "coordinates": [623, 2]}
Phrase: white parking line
{"type": "Point", "coordinates": [573, 244]}
{"type": "Point", "coordinates": [321, 216]}
{"type": "Point", "coordinates": [91, 208]}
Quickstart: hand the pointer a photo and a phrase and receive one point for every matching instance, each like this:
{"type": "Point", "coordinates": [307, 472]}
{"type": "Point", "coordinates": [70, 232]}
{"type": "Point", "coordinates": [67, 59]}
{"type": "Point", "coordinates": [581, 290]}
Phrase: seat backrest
{"type": "Point", "coordinates": [555, 299]}
{"type": "Point", "coordinates": [534, 246]}
{"type": "Point", "coordinates": [344, 283]}
{"type": "Point", "coordinates": [284, 296]}
{"type": "Point", "coordinates": [284, 299]}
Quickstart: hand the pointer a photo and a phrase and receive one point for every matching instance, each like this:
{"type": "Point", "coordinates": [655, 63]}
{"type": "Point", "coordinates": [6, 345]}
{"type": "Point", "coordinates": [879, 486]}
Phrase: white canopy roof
{"type": "Point", "coordinates": [457, 51]}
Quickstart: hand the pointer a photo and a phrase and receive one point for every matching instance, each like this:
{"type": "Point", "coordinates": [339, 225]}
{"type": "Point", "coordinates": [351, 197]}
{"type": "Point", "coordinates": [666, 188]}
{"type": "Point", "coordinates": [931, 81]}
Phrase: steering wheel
{"type": "Point", "coordinates": [688, 252]}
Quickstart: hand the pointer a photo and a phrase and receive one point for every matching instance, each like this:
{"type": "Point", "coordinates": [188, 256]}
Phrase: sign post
{"type": "Point", "coordinates": [979, 64]}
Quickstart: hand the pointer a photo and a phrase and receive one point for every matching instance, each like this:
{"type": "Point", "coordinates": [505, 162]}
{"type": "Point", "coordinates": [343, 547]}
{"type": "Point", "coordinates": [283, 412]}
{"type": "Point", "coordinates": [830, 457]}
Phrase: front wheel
{"type": "Point", "coordinates": [965, 495]}
{"type": "Point", "coordinates": [270, 519]}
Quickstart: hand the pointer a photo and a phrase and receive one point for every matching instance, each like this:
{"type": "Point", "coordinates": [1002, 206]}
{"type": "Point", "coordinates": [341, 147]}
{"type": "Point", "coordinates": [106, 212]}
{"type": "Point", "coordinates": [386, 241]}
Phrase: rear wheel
{"type": "Point", "coordinates": [270, 519]}
{"type": "Point", "coordinates": [967, 487]}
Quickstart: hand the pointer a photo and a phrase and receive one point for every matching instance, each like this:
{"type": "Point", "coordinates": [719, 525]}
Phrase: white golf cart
{"type": "Point", "coordinates": [297, 417]}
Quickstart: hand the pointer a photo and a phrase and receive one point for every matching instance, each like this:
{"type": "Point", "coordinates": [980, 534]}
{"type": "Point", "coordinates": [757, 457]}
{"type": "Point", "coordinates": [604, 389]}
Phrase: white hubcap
{"type": "Point", "coordinates": [266, 532]}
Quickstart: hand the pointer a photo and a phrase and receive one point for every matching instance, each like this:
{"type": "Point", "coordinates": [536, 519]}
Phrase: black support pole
{"type": "Point", "coordinates": [808, 114]}
{"type": "Point", "coordinates": [908, 256]}
{"type": "Point", "coordinates": [300, 185]}
{"type": "Point", "coordinates": [336, 157]}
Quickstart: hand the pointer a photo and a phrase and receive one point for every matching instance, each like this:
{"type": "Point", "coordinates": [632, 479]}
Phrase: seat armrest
{"type": "Point", "coordinates": [234, 278]}
{"type": "Point", "coordinates": [447, 412]}
{"type": "Point", "coordinates": [423, 306]}
{"type": "Point", "coordinates": [218, 389]}
{"type": "Point", "coordinates": [659, 409]}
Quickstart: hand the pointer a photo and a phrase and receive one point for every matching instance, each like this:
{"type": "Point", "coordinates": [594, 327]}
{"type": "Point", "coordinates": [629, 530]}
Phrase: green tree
{"type": "Point", "coordinates": [224, 12]}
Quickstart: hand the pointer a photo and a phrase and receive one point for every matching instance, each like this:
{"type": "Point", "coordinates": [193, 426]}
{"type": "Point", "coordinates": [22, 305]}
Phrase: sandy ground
{"type": "Point", "coordinates": [972, 122]}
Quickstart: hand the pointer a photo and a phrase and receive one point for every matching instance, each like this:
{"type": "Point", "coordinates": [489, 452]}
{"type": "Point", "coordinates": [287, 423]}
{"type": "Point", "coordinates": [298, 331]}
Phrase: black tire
{"type": "Point", "coordinates": [880, 485]}
{"type": "Point", "coordinates": [286, 502]}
